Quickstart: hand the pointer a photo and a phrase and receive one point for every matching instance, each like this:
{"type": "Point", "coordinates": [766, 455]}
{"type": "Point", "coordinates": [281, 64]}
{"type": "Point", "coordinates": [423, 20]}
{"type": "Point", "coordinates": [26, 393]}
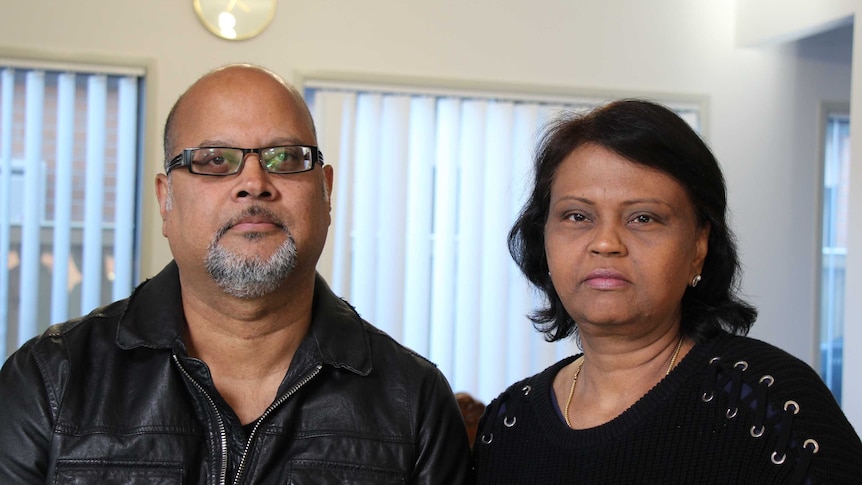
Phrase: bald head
{"type": "Point", "coordinates": [234, 76]}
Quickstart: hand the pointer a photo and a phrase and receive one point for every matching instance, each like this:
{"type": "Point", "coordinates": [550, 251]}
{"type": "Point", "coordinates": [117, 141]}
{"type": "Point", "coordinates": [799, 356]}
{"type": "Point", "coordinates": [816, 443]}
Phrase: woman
{"type": "Point", "coordinates": [626, 235]}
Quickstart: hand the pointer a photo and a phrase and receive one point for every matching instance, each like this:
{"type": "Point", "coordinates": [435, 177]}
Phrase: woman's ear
{"type": "Point", "coordinates": [701, 248]}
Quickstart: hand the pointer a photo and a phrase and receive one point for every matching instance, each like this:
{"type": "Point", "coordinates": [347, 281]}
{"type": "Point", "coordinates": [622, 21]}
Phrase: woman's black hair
{"type": "Point", "coordinates": [652, 135]}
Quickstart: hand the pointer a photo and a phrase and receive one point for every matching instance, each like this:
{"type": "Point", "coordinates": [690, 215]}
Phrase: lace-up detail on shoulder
{"type": "Point", "coordinates": [746, 393]}
{"type": "Point", "coordinates": [505, 416]}
{"type": "Point", "coordinates": [502, 410]}
{"type": "Point", "coordinates": [735, 410]}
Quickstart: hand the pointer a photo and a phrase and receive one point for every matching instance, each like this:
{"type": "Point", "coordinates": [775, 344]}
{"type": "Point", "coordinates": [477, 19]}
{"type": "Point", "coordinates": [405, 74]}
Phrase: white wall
{"type": "Point", "coordinates": [761, 22]}
{"type": "Point", "coordinates": [767, 22]}
{"type": "Point", "coordinates": [762, 100]}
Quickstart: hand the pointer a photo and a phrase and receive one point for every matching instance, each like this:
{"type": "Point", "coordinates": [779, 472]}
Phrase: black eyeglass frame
{"type": "Point", "coordinates": [184, 159]}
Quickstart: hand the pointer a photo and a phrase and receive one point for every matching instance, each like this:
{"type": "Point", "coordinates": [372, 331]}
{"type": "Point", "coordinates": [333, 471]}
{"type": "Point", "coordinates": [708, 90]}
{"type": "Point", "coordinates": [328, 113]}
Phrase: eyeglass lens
{"type": "Point", "coordinates": [226, 161]}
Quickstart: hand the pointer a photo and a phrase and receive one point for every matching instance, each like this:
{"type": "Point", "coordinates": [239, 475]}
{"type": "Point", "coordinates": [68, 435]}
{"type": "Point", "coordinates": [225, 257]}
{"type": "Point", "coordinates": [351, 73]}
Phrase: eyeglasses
{"type": "Point", "coordinates": [221, 161]}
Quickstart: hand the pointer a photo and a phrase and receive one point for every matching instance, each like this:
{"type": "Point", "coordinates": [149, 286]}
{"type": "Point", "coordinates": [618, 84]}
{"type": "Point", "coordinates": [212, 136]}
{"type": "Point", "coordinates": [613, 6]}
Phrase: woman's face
{"type": "Point", "coordinates": [622, 243]}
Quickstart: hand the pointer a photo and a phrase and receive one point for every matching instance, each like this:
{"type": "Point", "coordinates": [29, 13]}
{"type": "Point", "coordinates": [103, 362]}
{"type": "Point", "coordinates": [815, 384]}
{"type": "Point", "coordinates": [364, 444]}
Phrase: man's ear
{"type": "Point", "coordinates": [163, 194]}
{"type": "Point", "coordinates": [328, 177]}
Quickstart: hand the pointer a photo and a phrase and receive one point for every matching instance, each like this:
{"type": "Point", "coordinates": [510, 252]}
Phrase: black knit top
{"type": "Point", "coordinates": [735, 410]}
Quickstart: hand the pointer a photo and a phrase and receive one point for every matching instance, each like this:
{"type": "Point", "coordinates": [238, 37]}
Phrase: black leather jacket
{"type": "Point", "coordinates": [114, 398]}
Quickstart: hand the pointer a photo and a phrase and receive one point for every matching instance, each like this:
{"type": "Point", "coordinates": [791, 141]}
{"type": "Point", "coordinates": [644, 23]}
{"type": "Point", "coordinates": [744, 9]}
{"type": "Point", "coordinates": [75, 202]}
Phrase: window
{"type": "Point", "coordinates": [69, 188]}
{"type": "Point", "coordinates": [427, 186]}
{"type": "Point", "coordinates": [836, 169]}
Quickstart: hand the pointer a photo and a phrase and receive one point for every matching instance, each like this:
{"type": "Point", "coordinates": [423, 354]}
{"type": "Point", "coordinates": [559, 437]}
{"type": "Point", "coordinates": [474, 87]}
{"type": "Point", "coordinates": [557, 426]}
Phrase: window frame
{"type": "Point", "coordinates": [824, 342]}
{"type": "Point", "coordinates": [54, 63]}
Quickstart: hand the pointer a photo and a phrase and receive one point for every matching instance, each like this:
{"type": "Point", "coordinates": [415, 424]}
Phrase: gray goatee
{"type": "Point", "coordinates": [253, 276]}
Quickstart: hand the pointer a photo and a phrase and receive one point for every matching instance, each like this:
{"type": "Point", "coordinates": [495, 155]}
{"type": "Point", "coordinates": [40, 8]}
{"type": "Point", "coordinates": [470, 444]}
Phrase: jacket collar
{"type": "Point", "coordinates": [154, 314]}
{"type": "Point", "coordinates": [154, 318]}
{"type": "Point", "coordinates": [340, 333]}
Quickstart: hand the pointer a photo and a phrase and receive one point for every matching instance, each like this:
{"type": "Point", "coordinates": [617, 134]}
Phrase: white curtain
{"type": "Point", "coordinates": [427, 187]}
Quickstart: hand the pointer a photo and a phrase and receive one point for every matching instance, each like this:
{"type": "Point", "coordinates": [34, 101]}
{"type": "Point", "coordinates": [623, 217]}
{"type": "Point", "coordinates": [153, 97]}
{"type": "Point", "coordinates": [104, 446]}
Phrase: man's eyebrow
{"type": "Point", "coordinates": [213, 143]}
{"type": "Point", "coordinates": [274, 142]}
{"type": "Point", "coordinates": [291, 140]}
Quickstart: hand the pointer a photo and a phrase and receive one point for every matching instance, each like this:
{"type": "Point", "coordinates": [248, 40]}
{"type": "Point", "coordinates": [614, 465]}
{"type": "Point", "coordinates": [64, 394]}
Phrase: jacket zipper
{"type": "Point", "coordinates": [269, 411]}
{"type": "Point", "coordinates": [222, 432]}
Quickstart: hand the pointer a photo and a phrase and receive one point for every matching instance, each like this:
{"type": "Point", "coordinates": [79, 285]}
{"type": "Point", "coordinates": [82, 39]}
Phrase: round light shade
{"type": "Point", "coordinates": [235, 19]}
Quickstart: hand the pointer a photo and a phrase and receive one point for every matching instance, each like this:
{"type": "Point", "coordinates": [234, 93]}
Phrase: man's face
{"type": "Point", "coordinates": [249, 231]}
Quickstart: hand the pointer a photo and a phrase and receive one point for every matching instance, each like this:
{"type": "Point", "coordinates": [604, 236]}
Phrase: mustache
{"type": "Point", "coordinates": [253, 211]}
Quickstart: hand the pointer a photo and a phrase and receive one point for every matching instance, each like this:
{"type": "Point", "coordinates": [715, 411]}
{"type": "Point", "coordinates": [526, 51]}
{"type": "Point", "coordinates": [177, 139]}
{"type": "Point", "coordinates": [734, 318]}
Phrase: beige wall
{"type": "Point", "coordinates": [763, 101]}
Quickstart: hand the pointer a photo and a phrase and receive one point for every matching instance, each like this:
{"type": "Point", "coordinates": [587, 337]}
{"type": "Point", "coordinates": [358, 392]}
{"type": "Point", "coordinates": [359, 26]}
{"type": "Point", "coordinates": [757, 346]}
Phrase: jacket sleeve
{"type": "Point", "coordinates": [444, 452]}
{"type": "Point", "coordinates": [25, 420]}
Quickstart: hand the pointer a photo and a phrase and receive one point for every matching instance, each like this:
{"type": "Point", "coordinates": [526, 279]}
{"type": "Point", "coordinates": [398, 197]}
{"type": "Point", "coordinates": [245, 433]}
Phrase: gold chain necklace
{"type": "Point", "coordinates": [578, 372]}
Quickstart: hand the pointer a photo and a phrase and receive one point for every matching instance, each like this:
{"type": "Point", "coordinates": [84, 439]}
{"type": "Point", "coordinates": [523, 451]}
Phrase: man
{"type": "Point", "coordinates": [236, 363]}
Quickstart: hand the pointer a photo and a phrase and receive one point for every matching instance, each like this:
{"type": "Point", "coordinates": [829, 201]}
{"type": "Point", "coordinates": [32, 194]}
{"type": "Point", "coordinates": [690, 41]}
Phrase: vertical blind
{"type": "Point", "coordinates": [69, 171]}
{"type": "Point", "coordinates": [427, 186]}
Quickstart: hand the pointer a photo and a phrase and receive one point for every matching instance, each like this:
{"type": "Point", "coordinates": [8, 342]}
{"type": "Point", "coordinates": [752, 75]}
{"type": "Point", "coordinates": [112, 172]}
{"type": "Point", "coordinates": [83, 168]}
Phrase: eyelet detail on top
{"type": "Point", "coordinates": [487, 438]}
{"type": "Point", "coordinates": [809, 449]}
{"type": "Point", "coordinates": [778, 459]}
{"type": "Point", "coordinates": [527, 390]}
{"type": "Point", "coordinates": [508, 423]}
{"type": "Point", "coordinates": [735, 389]}
{"type": "Point", "coordinates": [761, 399]}
{"type": "Point", "coordinates": [709, 379]}
{"type": "Point", "coordinates": [813, 448]}
{"type": "Point", "coordinates": [757, 431]}
{"type": "Point", "coordinates": [745, 396]}
{"type": "Point", "coordinates": [791, 409]}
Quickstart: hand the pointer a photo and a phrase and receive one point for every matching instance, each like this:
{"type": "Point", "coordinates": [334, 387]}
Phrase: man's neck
{"type": "Point", "coordinates": [248, 344]}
